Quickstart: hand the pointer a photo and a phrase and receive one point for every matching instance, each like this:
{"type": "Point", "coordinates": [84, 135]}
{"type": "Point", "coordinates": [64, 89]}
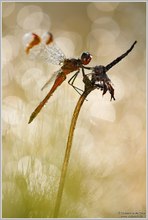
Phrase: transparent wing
{"type": "Point", "coordinates": [36, 52]}
{"type": "Point", "coordinates": [47, 53]}
{"type": "Point", "coordinates": [43, 48]}
{"type": "Point", "coordinates": [52, 78]}
{"type": "Point", "coordinates": [52, 54]}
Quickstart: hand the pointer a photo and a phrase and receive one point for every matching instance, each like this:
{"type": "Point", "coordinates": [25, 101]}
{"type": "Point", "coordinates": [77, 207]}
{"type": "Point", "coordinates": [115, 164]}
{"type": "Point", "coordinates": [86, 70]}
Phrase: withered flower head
{"type": "Point", "coordinates": [100, 79]}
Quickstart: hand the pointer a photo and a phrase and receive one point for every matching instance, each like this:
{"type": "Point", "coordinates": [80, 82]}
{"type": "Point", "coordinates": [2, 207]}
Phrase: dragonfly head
{"type": "Point", "coordinates": [86, 58]}
{"type": "Point", "coordinates": [30, 40]}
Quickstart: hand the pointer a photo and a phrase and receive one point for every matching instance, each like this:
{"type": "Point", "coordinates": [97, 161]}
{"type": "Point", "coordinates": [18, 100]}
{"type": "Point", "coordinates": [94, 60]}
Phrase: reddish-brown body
{"type": "Point", "coordinates": [69, 65]}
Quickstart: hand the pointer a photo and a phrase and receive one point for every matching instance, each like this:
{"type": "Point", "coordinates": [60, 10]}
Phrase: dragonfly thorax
{"type": "Point", "coordinates": [72, 64]}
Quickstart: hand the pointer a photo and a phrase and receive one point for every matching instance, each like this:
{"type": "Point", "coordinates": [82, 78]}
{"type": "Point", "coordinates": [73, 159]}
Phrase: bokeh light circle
{"type": "Point", "coordinates": [33, 78]}
{"type": "Point", "coordinates": [6, 51]}
{"type": "Point", "coordinates": [13, 110]}
{"type": "Point", "coordinates": [8, 71]}
{"type": "Point", "coordinates": [106, 6]}
{"type": "Point", "coordinates": [100, 106]}
{"type": "Point", "coordinates": [8, 9]}
{"type": "Point", "coordinates": [29, 164]}
{"type": "Point", "coordinates": [31, 17]}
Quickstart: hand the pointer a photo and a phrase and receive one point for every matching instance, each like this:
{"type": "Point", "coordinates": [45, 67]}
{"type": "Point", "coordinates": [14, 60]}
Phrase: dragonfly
{"type": "Point", "coordinates": [99, 77]}
{"type": "Point", "coordinates": [44, 47]}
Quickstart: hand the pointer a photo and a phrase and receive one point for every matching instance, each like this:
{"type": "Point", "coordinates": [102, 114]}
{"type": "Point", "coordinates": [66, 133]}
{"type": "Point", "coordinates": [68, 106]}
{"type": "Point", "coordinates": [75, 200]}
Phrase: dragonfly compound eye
{"type": "Point", "coordinates": [86, 58]}
{"type": "Point", "coordinates": [30, 40]}
{"type": "Point", "coordinates": [47, 38]}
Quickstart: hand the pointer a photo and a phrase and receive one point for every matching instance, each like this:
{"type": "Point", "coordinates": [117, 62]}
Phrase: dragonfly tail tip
{"type": "Point", "coordinates": [30, 120]}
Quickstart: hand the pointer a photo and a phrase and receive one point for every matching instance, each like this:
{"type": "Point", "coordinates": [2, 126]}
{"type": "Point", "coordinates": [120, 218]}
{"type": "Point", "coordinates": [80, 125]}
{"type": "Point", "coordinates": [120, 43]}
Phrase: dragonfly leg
{"type": "Point", "coordinates": [87, 68]}
{"type": "Point", "coordinates": [71, 82]}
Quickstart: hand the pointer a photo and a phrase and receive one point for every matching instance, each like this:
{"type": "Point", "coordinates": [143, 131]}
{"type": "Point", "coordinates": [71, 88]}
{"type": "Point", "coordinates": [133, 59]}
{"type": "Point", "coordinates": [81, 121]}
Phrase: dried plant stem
{"type": "Point", "coordinates": [68, 149]}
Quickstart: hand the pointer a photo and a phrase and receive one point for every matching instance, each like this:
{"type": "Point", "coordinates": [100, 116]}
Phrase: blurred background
{"type": "Point", "coordinates": [107, 169]}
